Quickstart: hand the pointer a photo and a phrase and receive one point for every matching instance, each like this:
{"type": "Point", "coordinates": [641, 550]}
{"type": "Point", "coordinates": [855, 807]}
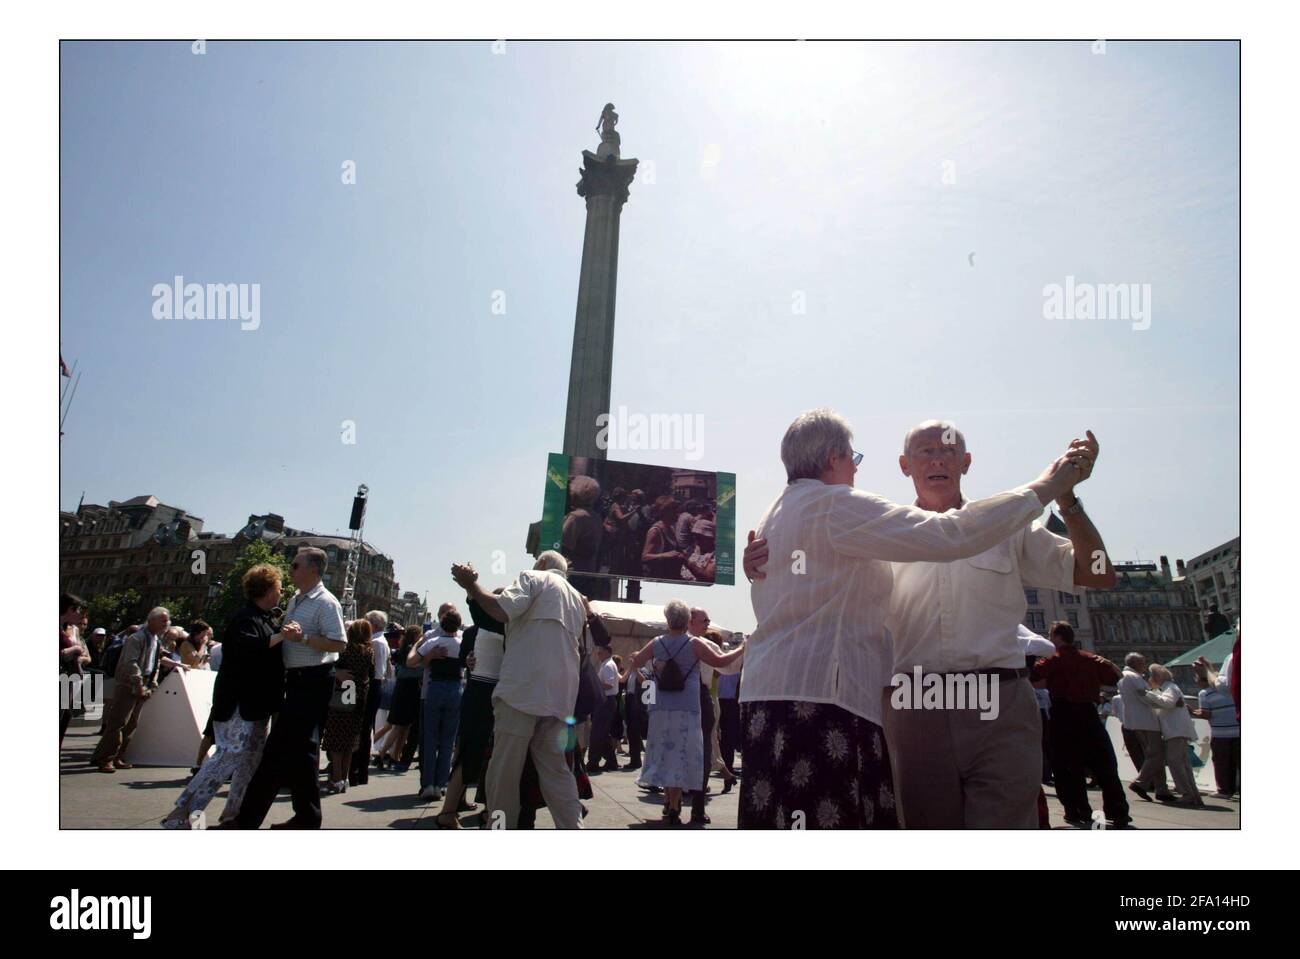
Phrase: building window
{"type": "Point", "coordinates": [1031, 597]}
{"type": "Point", "coordinates": [1072, 617]}
{"type": "Point", "coordinates": [1035, 621]}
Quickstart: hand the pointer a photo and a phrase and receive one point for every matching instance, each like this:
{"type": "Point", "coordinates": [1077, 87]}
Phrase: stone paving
{"type": "Point", "coordinates": [139, 799]}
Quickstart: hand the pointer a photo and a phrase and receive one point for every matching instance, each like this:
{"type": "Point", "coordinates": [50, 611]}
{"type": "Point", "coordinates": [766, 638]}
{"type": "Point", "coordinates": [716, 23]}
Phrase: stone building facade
{"type": "Point", "coordinates": [1216, 577]}
{"type": "Point", "coordinates": [1148, 611]}
{"type": "Point", "coordinates": [163, 553]}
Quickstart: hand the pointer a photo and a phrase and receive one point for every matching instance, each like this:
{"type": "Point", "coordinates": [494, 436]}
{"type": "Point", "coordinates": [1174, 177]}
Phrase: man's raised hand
{"type": "Point", "coordinates": [1086, 452]}
{"type": "Point", "coordinates": [1059, 477]}
{"type": "Point", "coordinates": [464, 574]}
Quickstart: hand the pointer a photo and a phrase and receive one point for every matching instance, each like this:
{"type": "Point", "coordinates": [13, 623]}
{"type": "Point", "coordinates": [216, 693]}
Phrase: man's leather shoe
{"type": "Point", "coordinates": [292, 823]}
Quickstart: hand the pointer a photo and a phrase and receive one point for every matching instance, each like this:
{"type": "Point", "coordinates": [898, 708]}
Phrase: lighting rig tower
{"type": "Point", "coordinates": [355, 524]}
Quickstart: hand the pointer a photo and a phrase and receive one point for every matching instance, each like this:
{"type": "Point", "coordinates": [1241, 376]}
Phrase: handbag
{"type": "Point", "coordinates": [590, 689]}
{"type": "Point", "coordinates": [339, 704]}
{"type": "Point", "coordinates": [583, 780]}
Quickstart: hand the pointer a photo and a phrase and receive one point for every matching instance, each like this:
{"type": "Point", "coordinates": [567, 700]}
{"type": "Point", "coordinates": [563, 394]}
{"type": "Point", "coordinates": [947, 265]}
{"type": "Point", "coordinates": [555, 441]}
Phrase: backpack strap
{"type": "Point", "coordinates": [694, 665]}
{"type": "Point", "coordinates": [680, 649]}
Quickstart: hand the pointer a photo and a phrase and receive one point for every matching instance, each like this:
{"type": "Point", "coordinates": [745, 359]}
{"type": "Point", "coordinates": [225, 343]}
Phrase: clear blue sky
{"type": "Point", "coordinates": [776, 169]}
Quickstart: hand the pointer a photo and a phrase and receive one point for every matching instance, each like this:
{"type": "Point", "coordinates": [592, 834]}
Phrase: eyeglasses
{"type": "Point", "coordinates": [857, 458]}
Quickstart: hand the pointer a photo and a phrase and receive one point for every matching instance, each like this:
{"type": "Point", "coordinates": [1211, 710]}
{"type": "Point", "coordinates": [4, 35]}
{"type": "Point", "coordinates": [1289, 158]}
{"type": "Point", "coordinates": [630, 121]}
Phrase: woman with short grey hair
{"type": "Point", "coordinates": [811, 440]}
{"type": "Point", "coordinates": [674, 754]}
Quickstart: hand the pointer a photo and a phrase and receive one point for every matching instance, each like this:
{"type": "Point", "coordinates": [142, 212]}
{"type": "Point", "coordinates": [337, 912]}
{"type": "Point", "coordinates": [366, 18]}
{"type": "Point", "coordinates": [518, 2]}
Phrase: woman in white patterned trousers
{"type": "Point", "coordinates": [239, 750]}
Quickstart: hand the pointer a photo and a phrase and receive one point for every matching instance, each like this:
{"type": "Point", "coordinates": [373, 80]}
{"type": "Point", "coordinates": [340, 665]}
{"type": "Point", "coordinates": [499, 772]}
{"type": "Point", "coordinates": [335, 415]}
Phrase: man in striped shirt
{"type": "Point", "coordinates": [1216, 705]}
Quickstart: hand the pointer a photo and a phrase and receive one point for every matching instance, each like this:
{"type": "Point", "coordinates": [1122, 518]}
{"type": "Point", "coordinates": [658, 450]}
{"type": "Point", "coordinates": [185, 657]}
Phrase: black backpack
{"type": "Point", "coordinates": [112, 655]}
{"type": "Point", "coordinates": [671, 678]}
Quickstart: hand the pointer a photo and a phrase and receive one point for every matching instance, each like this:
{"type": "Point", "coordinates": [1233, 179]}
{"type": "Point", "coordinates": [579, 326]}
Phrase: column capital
{"type": "Point", "coordinates": [605, 176]}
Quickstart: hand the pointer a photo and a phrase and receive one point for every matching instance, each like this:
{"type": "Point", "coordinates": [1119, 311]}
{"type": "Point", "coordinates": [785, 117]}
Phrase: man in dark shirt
{"type": "Point", "coordinates": [1079, 742]}
{"type": "Point", "coordinates": [1216, 624]}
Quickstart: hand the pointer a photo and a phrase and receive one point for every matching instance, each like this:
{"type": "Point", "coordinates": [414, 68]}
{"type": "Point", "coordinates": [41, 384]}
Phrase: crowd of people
{"type": "Point", "coordinates": [625, 533]}
{"type": "Point", "coordinates": [526, 703]}
{"type": "Point", "coordinates": [852, 594]}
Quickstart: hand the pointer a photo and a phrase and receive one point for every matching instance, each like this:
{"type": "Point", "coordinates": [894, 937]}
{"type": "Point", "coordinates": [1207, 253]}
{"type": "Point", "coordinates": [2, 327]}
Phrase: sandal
{"type": "Point", "coordinates": [446, 820]}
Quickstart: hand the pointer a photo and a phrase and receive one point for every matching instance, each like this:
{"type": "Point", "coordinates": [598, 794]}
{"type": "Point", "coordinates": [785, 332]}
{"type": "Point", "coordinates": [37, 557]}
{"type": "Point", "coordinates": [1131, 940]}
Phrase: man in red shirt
{"type": "Point", "coordinates": [1074, 678]}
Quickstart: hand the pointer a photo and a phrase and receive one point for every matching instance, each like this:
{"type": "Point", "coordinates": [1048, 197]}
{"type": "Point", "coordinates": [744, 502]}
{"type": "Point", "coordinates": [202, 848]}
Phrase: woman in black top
{"type": "Point", "coordinates": [249, 690]}
{"type": "Point", "coordinates": [405, 708]}
{"type": "Point", "coordinates": [475, 731]}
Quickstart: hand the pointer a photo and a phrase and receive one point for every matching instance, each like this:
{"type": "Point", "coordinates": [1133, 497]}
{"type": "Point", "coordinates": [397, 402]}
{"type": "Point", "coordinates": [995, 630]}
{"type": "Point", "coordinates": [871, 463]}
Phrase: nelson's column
{"type": "Point", "coordinates": [604, 185]}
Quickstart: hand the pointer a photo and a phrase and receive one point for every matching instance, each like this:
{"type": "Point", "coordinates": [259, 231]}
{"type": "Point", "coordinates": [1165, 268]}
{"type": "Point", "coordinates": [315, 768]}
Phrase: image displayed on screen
{"type": "Point", "coordinates": [639, 521]}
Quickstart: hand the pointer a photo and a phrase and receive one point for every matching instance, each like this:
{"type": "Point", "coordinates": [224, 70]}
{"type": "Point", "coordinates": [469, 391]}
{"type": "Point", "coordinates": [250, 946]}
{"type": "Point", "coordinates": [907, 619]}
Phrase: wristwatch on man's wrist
{"type": "Point", "coordinates": [1074, 509]}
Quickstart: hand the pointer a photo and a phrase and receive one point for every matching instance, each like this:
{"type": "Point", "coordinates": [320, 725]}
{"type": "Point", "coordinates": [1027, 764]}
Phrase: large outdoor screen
{"type": "Point", "coordinates": [636, 521]}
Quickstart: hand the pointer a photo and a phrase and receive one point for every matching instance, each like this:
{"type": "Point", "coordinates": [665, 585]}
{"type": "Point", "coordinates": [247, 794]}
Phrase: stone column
{"type": "Point", "coordinates": [604, 185]}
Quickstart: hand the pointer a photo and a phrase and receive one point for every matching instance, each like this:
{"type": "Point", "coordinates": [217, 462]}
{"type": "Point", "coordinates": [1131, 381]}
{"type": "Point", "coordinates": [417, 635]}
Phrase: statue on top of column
{"type": "Point", "coordinates": [609, 138]}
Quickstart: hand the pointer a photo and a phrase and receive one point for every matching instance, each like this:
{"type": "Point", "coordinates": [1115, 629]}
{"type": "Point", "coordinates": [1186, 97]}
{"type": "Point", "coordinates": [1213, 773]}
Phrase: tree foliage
{"type": "Point", "coordinates": [113, 611]}
{"type": "Point", "coordinates": [182, 614]}
{"type": "Point", "coordinates": [230, 599]}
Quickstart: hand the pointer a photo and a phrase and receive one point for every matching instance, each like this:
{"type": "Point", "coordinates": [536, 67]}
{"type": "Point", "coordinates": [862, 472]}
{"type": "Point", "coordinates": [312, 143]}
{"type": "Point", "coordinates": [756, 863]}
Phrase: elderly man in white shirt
{"type": "Point", "coordinates": [1178, 730]}
{"type": "Point", "coordinates": [959, 766]}
{"type": "Point", "coordinates": [602, 749]}
{"type": "Point", "coordinates": [533, 701]}
{"type": "Point", "coordinates": [699, 628]}
{"type": "Point", "coordinates": [818, 663]}
{"type": "Point", "coordinates": [1141, 731]}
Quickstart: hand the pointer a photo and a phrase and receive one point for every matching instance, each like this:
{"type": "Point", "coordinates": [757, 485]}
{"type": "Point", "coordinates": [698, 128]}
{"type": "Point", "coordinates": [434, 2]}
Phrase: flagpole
{"type": "Point", "coordinates": [64, 392]}
{"type": "Point", "coordinates": [69, 406]}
